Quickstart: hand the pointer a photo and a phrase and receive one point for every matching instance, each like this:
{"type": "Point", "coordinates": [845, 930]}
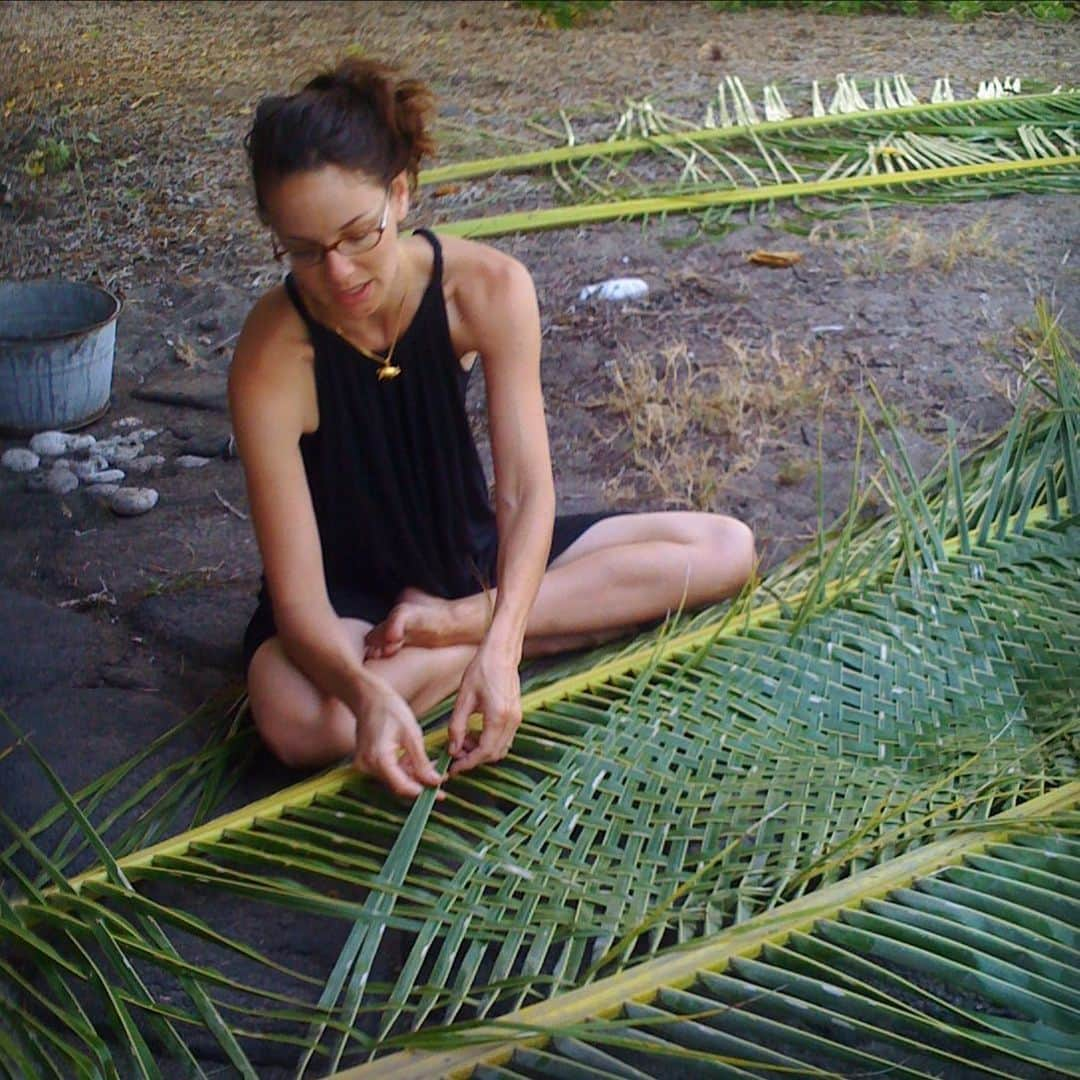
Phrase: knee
{"type": "Point", "coordinates": [304, 742]}
{"type": "Point", "coordinates": [734, 539]}
{"type": "Point", "coordinates": [280, 738]}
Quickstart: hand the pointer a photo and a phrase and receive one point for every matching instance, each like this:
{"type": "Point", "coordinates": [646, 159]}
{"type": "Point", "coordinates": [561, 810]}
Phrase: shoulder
{"type": "Point", "coordinates": [273, 356]}
{"type": "Point", "coordinates": [273, 341]}
{"type": "Point", "coordinates": [481, 282]}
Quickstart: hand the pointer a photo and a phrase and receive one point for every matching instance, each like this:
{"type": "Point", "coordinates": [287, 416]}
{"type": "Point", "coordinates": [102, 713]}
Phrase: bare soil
{"type": "Point", "coordinates": [725, 387]}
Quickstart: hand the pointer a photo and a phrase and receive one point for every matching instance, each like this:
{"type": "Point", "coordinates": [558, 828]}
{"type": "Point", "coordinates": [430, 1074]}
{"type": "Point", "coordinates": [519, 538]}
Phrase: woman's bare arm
{"type": "Point", "coordinates": [497, 302]}
{"type": "Point", "coordinates": [272, 402]}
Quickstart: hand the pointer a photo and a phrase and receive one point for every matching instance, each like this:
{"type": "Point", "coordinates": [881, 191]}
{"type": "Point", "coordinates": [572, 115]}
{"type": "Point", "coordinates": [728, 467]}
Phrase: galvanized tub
{"type": "Point", "coordinates": [57, 342]}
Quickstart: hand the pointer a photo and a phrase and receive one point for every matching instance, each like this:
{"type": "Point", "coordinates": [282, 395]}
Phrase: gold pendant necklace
{"type": "Point", "coordinates": [387, 369]}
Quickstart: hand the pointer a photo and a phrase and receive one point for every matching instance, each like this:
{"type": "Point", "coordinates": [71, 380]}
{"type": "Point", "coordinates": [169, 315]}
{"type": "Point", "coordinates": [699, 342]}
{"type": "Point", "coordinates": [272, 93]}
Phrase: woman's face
{"type": "Point", "coordinates": [343, 210]}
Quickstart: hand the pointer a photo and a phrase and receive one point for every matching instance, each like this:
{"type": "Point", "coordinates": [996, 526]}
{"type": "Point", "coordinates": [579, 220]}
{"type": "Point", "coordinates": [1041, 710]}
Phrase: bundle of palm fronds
{"type": "Point", "coordinates": [896, 148]}
{"type": "Point", "coordinates": [903, 681]}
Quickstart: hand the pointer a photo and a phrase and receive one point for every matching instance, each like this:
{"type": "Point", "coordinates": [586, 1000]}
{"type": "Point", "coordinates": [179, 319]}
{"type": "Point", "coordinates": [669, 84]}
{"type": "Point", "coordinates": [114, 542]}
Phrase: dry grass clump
{"type": "Point", "coordinates": [1030, 358]}
{"type": "Point", "coordinates": [907, 246]}
{"type": "Point", "coordinates": [693, 426]}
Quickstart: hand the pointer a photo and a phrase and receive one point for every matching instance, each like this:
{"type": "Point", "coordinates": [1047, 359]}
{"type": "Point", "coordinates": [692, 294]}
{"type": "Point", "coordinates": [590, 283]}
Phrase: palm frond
{"type": "Point", "coordinates": [131, 810]}
{"type": "Point", "coordinates": [905, 680]}
{"type": "Point", "coordinates": [941, 150]}
{"type": "Point", "coordinates": [949, 113]}
{"type": "Point", "coordinates": [883, 971]}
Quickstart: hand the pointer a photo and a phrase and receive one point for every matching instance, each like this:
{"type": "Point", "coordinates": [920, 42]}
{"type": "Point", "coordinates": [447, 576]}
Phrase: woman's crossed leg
{"type": "Point", "coordinates": [621, 572]}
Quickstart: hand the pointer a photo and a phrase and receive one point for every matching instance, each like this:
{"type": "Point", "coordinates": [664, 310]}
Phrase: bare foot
{"type": "Point", "coordinates": [418, 618]}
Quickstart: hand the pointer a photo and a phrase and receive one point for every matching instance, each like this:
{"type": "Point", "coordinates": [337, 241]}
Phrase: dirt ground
{"type": "Point", "coordinates": [713, 391]}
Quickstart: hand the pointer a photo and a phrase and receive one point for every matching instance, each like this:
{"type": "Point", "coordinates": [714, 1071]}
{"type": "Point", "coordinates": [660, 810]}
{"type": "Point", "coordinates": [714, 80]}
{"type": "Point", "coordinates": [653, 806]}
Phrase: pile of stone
{"type": "Point", "coordinates": [59, 462]}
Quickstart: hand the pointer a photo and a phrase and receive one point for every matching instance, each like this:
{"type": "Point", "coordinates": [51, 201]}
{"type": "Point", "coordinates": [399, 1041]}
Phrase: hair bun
{"type": "Point", "coordinates": [362, 115]}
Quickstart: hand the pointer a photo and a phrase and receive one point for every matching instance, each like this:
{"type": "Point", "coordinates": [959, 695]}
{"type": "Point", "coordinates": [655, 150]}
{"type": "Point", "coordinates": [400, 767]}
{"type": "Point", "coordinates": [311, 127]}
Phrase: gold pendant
{"type": "Point", "coordinates": [389, 371]}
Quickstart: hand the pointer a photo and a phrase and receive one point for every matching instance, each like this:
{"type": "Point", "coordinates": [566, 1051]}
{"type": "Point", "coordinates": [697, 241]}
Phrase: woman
{"type": "Point", "coordinates": [389, 579]}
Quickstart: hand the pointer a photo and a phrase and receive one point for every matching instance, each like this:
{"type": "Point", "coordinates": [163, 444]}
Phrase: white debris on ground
{"type": "Point", "coordinates": [106, 476]}
{"type": "Point", "coordinates": [626, 288]}
{"type": "Point", "coordinates": [61, 481]}
{"type": "Point", "coordinates": [140, 466]}
{"type": "Point", "coordinates": [19, 459]}
{"type": "Point", "coordinates": [49, 443]}
{"type": "Point", "coordinates": [85, 468]}
{"type": "Point", "coordinates": [60, 462]}
{"type": "Point", "coordinates": [129, 502]}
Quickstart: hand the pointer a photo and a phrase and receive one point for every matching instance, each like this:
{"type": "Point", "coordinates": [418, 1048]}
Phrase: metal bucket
{"type": "Point", "coordinates": [57, 341]}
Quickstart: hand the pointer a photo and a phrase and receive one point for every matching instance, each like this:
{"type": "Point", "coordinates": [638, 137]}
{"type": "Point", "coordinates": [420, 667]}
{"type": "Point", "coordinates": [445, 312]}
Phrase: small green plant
{"type": "Point", "coordinates": [1056, 10]}
{"type": "Point", "coordinates": [49, 157]}
{"type": "Point", "coordinates": [565, 13]}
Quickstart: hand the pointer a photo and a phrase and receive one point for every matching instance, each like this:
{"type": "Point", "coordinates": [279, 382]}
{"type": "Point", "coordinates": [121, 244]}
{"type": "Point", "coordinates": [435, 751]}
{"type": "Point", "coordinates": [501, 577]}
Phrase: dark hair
{"type": "Point", "coordinates": [362, 115]}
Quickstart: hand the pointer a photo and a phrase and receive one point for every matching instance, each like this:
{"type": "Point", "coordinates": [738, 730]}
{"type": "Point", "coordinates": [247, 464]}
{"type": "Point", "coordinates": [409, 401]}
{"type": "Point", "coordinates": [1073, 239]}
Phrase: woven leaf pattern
{"type": "Point", "coordinates": [910, 677]}
{"type": "Point", "coordinates": [968, 970]}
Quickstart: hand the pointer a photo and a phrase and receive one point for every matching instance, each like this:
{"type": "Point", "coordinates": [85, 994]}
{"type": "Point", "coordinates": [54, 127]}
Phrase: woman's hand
{"type": "Point", "coordinates": [390, 745]}
{"type": "Point", "coordinates": [490, 686]}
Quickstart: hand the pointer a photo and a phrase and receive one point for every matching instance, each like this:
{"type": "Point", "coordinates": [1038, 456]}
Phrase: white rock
{"type": "Point", "coordinates": [104, 491]}
{"type": "Point", "coordinates": [623, 288]}
{"type": "Point", "coordinates": [192, 461]}
{"type": "Point", "coordinates": [49, 443]}
{"type": "Point", "coordinates": [18, 459]}
{"type": "Point", "coordinates": [106, 476]}
{"type": "Point", "coordinates": [127, 422]}
{"type": "Point", "coordinates": [121, 453]}
{"type": "Point", "coordinates": [61, 482]}
{"type": "Point", "coordinates": [76, 443]}
{"type": "Point", "coordinates": [87, 467]}
{"type": "Point", "coordinates": [145, 434]}
{"type": "Point", "coordinates": [61, 463]}
{"type": "Point", "coordinates": [129, 502]}
{"type": "Point", "coordinates": [140, 466]}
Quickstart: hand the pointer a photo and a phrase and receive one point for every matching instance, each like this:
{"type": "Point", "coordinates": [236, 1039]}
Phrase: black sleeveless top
{"type": "Point", "coordinates": [399, 492]}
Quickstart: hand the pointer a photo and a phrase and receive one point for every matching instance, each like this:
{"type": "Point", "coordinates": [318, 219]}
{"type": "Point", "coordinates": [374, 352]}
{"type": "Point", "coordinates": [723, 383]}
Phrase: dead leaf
{"type": "Point", "coordinates": [446, 189]}
{"type": "Point", "coordinates": [188, 355]}
{"type": "Point", "coordinates": [774, 258]}
{"type": "Point", "coordinates": [146, 97]}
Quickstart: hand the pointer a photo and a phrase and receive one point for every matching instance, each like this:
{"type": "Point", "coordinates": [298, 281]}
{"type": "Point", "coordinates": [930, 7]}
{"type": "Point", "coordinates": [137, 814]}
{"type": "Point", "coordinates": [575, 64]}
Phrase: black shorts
{"type": "Point", "coordinates": [352, 602]}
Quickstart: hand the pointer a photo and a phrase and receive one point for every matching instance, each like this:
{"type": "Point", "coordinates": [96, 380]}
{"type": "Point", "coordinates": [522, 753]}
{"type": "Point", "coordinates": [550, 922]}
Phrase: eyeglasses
{"type": "Point", "coordinates": [350, 245]}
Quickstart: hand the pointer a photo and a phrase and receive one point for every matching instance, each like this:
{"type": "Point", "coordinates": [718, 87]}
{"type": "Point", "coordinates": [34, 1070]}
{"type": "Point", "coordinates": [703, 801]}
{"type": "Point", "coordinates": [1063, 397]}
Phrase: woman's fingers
{"type": "Point", "coordinates": [459, 720]}
{"type": "Point", "coordinates": [421, 765]}
{"type": "Point", "coordinates": [488, 749]}
{"type": "Point", "coordinates": [391, 747]}
{"type": "Point", "coordinates": [491, 689]}
{"type": "Point", "coordinates": [492, 744]}
{"type": "Point", "coordinates": [394, 775]}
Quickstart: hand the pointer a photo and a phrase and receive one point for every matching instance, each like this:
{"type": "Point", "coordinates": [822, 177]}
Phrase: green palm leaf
{"type": "Point", "coordinates": [942, 962]}
{"type": "Point", "coordinates": [943, 150]}
{"type": "Point", "coordinates": [902, 681]}
{"type": "Point", "coordinates": [973, 117]}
